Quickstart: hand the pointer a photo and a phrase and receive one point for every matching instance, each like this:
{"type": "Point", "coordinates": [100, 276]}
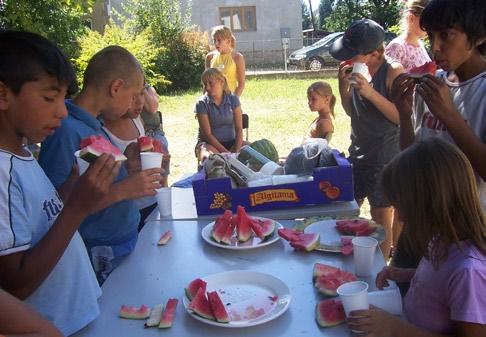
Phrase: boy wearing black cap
{"type": "Point", "coordinates": [374, 118]}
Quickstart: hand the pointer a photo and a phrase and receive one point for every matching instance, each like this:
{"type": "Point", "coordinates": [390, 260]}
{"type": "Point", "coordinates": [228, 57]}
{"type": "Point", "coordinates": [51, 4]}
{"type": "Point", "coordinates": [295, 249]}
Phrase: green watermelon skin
{"type": "Point", "coordinates": [266, 148]}
{"type": "Point", "coordinates": [329, 313]}
{"type": "Point", "coordinates": [217, 307]}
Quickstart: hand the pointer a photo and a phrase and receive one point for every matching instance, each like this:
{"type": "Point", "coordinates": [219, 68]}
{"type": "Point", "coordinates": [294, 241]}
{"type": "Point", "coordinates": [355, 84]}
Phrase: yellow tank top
{"type": "Point", "coordinates": [226, 64]}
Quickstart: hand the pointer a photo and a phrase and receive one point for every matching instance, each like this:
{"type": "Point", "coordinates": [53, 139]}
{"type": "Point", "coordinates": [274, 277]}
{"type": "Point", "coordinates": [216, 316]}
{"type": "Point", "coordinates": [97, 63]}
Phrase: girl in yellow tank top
{"type": "Point", "coordinates": [227, 60]}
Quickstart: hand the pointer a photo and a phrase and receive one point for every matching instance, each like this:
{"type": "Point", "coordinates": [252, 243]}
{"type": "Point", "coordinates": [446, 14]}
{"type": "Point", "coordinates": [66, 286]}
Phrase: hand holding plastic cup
{"type": "Point", "coordinates": [361, 68]}
{"type": "Point", "coordinates": [151, 160]}
{"type": "Point", "coordinates": [82, 164]}
{"type": "Point", "coordinates": [164, 201]}
{"type": "Point", "coordinates": [354, 296]}
{"type": "Point", "coordinates": [389, 300]}
{"type": "Point", "coordinates": [364, 248]}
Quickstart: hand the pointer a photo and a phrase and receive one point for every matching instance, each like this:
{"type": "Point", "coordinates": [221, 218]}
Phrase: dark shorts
{"type": "Point", "coordinates": [228, 145]}
{"type": "Point", "coordinates": [367, 185]}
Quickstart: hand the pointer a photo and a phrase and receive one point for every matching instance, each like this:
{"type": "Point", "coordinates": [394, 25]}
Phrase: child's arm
{"type": "Point", "coordinates": [238, 127]}
{"type": "Point", "coordinates": [402, 95]}
{"type": "Point", "coordinates": [395, 274]}
{"type": "Point", "coordinates": [438, 98]}
{"type": "Point", "coordinates": [379, 323]}
{"type": "Point", "coordinates": [18, 319]}
{"type": "Point", "coordinates": [240, 73]}
{"type": "Point", "coordinates": [23, 272]}
{"type": "Point", "coordinates": [209, 57]}
{"type": "Point", "coordinates": [386, 107]}
{"type": "Point", "coordinates": [205, 127]}
{"type": "Point", "coordinates": [344, 87]}
{"type": "Point", "coordinates": [324, 127]}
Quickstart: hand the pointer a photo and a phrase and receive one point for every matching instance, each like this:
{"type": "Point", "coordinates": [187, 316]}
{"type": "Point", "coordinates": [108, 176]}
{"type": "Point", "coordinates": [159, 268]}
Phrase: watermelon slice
{"type": "Point", "coordinates": [230, 230]}
{"type": "Point", "coordinates": [427, 68]}
{"type": "Point", "coordinates": [165, 238]}
{"type": "Point", "coordinates": [243, 228]}
{"type": "Point", "coordinates": [306, 241]}
{"type": "Point", "coordinates": [328, 278]}
{"type": "Point", "coordinates": [268, 228]}
{"type": "Point", "coordinates": [131, 312]}
{"type": "Point", "coordinates": [217, 307]}
{"type": "Point", "coordinates": [145, 143]}
{"type": "Point", "coordinates": [154, 317]}
{"type": "Point", "coordinates": [357, 227]}
{"type": "Point", "coordinates": [329, 313]}
{"type": "Point", "coordinates": [288, 234]}
{"type": "Point", "coordinates": [94, 146]}
{"type": "Point", "coordinates": [193, 287]}
{"type": "Point", "coordinates": [168, 314]}
{"type": "Point", "coordinates": [346, 246]}
{"type": "Point", "coordinates": [200, 305]}
{"type": "Point", "coordinates": [256, 227]}
{"type": "Point", "coordinates": [221, 225]}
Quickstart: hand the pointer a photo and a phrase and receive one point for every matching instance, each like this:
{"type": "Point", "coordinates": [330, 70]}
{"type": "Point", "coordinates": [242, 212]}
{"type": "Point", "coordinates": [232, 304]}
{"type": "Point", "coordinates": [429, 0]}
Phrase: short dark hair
{"type": "Point", "coordinates": [26, 56]}
{"type": "Point", "coordinates": [110, 63]}
{"type": "Point", "coordinates": [467, 15]}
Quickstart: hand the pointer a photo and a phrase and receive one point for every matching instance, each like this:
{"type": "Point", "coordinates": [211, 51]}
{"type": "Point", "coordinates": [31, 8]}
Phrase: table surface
{"type": "Point", "coordinates": [152, 274]}
{"type": "Point", "coordinates": [184, 208]}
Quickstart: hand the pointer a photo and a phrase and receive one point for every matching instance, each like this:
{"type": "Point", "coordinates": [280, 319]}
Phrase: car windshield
{"type": "Point", "coordinates": [325, 40]}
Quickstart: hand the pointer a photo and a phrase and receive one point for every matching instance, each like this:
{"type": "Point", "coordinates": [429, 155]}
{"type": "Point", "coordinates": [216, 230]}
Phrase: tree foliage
{"type": "Point", "coordinates": [385, 12]}
{"type": "Point", "coordinates": [60, 21]}
{"type": "Point", "coordinates": [306, 17]}
{"type": "Point", "coordinates": [325, 9]}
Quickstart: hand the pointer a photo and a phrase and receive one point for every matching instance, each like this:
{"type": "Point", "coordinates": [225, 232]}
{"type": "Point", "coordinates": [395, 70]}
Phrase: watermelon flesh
{"type": "Point", "coordinates": [94, 146]}
{"type": "Point", "coordinates": [131, 312]}
{"type": "Point", "coordinates": [168, 314]}
{"type": "Point", "coordinates": [268, 228]}
{"type": "Point", "coordinates": [329, 313]}
{"type": "Point", "coordinates": [193, 287]}
{"type": "Point", "coordinates": [230, 231]}
{"type": "Point", "coordinates": [217, 307]}
{"type": "Point", "coordinates": [357, 227]}
{"type": "Point", "coordinates": [165, 238]}
{"type": "Point", "coordinates": [424, 69]}
{"type": "Point", "coordinates": [256, 227]}
{"type": "Point", "coordinates": [200, 305]}
{"type": "Point", "coordinates": [288, 234]}
{"type": "Point", "coordinates": [306, 241]}
{"type": "Point", "coordinates": [221, 225]}
{"type": "Point", "coordinates": [243, 228]}
{"type": "Point", "coordinates": [149, 144]}
{"type": "Point", "coordinates": [328, 278]}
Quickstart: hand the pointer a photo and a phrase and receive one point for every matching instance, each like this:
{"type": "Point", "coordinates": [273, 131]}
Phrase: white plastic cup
{"type": "Point", "coordinates": [361, 68]}
{"type": "Point", "coordinates": [164, 200]}
{"type": "Point", "coordinates": [82, 164]}
{"type": "Point", "coordinates": [389, 300]}
{"type": "Point", "coordinates": [271, 168]}
{"type": "Point", "coordinates": [354, 296]}
{"type": "Point", "coordinates": [151, 160]}
{"type": "Point", "coordinates": [364, 248]}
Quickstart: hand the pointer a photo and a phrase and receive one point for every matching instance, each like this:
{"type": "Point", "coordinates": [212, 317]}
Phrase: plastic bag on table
{"type": "Point", "coordinates": [313, 152]}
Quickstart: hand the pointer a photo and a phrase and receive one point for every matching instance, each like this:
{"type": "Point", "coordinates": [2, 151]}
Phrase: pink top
{"type": "Point", "coordinates": [454, 292]}
{"type": "Point", "coordinates": [408, 55]}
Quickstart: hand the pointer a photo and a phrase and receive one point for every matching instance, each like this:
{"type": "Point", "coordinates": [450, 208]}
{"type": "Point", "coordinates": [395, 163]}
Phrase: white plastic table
{"type": "Point", "coordinates": [152, 274]}
{"type": "Point", "coordinates": [184, 208]}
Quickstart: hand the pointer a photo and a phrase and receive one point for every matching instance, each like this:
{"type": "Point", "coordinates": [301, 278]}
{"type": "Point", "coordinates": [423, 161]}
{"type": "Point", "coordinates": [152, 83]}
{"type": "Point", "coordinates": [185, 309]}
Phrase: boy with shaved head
{"type": "Point", "coordinates": [112, 80]}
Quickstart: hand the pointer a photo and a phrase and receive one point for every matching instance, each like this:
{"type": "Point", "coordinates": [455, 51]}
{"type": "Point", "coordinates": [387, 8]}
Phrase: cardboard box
{"type": "Point", "coordinates": [330, 184]}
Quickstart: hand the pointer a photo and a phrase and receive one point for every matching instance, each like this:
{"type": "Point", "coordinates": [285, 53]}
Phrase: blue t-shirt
{"type": "Point", "coordinates": [115, 225]}
{"type": "Point", "coordinates": [29, 205]}
{"type": "Point", "coordinates": [221, 118]}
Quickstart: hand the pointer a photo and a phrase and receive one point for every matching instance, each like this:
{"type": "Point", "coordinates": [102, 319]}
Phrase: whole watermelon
{"type": "Point", "coordinates": [266, 147]}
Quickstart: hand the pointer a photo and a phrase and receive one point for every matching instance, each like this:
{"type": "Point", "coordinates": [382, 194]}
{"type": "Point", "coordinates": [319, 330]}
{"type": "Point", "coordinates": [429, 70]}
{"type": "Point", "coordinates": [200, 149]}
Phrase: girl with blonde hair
{"type": "Point", "coordinates": [408, 48]}
{"type": "Point", "coordinates": [226, 59]}
{"type": "Point", "coordinates": [321, 99]}
{"type": "Point", "coordinates": [219, 115]}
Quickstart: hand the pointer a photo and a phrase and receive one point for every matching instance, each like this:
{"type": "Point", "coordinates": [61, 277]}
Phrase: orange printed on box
{"type": "Point", "coordinates": [274, 195]}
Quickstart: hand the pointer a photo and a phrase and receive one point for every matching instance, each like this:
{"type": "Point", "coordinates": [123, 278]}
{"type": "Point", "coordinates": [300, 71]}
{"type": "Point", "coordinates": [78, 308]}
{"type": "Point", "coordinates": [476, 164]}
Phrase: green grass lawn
{"type": "Point", "coordinates": [277, 109]}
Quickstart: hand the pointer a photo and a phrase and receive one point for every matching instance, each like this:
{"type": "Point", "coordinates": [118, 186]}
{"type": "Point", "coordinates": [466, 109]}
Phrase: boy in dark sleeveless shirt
{"type": "Point", "coordinates": [374, 118]}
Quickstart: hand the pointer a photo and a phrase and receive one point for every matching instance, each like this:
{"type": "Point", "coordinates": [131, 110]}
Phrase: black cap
{"type": "Point", "coordinates": [361, 37]}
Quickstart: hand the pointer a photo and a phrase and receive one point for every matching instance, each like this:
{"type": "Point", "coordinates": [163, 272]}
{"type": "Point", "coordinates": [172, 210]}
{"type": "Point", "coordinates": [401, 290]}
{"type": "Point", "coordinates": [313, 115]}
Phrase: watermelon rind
{"type": "Point", "coordinates": [266, 148]}
{"type": "Point", "coordinates": [90, 154]}
{"type": "Point", "coordinates": [131, 312]}
{"type": "Point", "coordinates": [217, 307]}
{"type": "Point", "coordinates": [193, 287]}
{"type": "Point", "coordinates": [329, 313]}
{"type": "Point", "coordinates": [268, 229]}
{"type": "Point", "coordinates": [306, 241]}
{"type": "Point", "coordinates": [200, 305]}
{"type": "Point", "coordinates": [168, 314]}
{"type": "Point", "coordinates": [155, 315]}
{"type": "Point", "coordinates": [165, 238]}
